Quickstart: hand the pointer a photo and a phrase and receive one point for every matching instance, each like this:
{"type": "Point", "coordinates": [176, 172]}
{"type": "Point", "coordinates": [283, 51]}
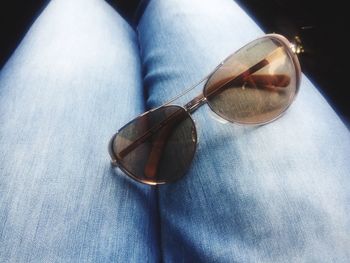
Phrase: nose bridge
{"type": "Point", "coordinates": [195, 103]}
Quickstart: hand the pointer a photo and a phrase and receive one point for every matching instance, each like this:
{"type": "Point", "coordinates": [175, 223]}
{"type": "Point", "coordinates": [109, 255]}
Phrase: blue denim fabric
{"type": "Point", "coordinates": [73, 81]}
{"type": "Point", "coordinates": [275, 193]}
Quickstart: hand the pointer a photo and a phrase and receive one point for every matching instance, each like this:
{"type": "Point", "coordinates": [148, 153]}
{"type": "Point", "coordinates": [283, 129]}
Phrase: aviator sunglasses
{"type": "Point", "coordinates": [255, 85]}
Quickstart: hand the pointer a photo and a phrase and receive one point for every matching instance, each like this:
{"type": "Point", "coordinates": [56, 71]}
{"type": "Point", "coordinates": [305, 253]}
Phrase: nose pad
{"type": "Point", "coordinates": [217, 117]}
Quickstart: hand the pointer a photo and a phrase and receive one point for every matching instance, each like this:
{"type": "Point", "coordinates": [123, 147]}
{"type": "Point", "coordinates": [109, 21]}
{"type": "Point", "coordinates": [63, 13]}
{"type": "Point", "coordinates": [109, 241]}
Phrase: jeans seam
{"type": "Point", "coordinates": [157, 216]}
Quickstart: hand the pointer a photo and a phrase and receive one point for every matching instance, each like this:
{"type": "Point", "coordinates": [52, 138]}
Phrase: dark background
{"type": "Point", "coordinates": [320, 26]}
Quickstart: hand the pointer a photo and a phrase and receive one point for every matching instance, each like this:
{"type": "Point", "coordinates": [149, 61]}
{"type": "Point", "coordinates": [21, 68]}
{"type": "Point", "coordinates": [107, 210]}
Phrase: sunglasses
{"type": "Point", "coordinates": [254, 85]}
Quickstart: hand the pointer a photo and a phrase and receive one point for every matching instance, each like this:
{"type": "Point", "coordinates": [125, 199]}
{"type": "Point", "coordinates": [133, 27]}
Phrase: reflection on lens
{"type": "Point", "coordinates": [256, 84]}
{"type": "Point", "coordinates": [158, 146]}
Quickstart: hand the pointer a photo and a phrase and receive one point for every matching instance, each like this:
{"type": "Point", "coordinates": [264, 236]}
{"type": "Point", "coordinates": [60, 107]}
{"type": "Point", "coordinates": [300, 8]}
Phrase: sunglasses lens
{"type": "Point", "coordinates": [157, 147]}
{"type": "Point", "coordinates": [256, 84]}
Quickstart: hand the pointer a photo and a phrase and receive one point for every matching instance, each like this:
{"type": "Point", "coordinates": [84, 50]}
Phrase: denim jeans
{"type": "Point", "coordinates": [273, 193]}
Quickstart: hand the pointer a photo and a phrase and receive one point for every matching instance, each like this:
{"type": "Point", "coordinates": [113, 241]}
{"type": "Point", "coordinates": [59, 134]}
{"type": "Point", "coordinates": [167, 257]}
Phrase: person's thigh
{"type": "Point", "coordinates": [274, 193]}
{"type": "Point", "coordinates": [74, 79]}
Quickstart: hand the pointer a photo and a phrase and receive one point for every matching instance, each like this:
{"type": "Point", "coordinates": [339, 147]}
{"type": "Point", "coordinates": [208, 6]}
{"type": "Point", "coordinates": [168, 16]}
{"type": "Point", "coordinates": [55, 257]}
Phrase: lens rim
{"type": "Point", "coordinates": [287, 45]}
{"type": "Point", "coordinates": [117, 163]}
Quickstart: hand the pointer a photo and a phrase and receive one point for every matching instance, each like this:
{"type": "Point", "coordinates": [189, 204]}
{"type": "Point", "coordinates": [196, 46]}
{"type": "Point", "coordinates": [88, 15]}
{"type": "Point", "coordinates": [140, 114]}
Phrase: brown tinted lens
{"type": "Point", "coordinates": [255, 84]}
{"type": "Point", "coordinates": [157, 147]}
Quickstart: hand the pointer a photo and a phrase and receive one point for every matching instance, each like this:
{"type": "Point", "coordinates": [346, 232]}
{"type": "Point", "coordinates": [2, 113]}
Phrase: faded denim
{"type": "Point", "coordinates": [274, 193]}
{"type": "Point", "coordinates": [71, 83]}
